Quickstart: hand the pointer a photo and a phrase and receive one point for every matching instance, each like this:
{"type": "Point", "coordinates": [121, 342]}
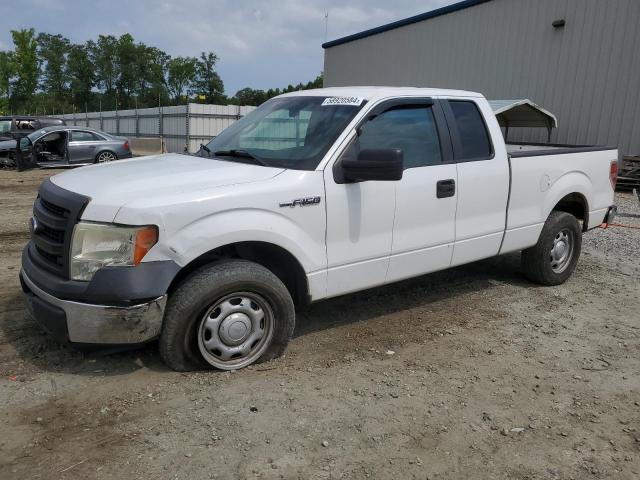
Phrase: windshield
{"type": "Point", "coordinates": [290, 132]}
{"type": "Point", "coordinates": [35, 135]}
{"type": "Point", "coordinates": [5, 126]}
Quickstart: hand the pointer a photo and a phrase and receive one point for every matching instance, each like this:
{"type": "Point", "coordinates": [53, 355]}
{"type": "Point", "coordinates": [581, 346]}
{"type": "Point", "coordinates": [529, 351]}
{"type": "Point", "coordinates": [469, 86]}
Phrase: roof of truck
{"type": "Point", "coordinates": [376, 93]}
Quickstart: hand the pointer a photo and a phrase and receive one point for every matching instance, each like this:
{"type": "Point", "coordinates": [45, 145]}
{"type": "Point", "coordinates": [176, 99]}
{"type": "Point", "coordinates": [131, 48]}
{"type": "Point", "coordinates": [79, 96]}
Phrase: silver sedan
{"type": "Point", "coordinates": [71, 145]}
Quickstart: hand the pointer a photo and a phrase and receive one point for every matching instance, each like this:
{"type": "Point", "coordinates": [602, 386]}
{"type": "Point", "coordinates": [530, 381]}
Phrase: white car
{"type": "Point", "coordinates": [315, 194]}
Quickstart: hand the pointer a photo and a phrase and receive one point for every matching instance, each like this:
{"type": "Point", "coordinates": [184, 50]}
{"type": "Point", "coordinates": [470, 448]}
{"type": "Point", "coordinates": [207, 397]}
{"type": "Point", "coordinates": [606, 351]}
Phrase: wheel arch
{"type": "Point", "coordinates": [577, 205]}
{"type": "Point", "coordinates": [275, 258]}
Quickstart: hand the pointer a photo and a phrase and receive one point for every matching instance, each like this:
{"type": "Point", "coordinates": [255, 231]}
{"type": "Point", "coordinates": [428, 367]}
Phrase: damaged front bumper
{"type": "Point", "coordinates": [85, 323]}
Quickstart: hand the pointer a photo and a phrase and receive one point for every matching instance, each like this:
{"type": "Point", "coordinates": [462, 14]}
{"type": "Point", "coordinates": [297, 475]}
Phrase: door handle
{"type": "Point", "coordinates": [446, 188]}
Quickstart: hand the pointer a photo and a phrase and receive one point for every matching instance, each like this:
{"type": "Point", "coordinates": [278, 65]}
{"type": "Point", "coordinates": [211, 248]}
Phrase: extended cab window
{"type": "Point", "coordinates": [412, 129]}
{"type": "Point", "coordinates": [472, 131]}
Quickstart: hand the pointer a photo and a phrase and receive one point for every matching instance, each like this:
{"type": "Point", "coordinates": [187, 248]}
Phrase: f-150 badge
{"type": "Point", "coordinates": [301, 202]}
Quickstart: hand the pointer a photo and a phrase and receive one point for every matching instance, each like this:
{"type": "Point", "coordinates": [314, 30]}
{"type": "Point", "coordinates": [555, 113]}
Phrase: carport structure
{"type": "Point", "coordinates": [522, 113]}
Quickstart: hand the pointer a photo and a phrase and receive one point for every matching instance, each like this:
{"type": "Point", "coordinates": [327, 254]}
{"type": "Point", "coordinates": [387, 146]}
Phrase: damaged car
{"type": "Point", "coordinates": [63, 146]}
{"type": "Point", "coordinates": [12, 127]}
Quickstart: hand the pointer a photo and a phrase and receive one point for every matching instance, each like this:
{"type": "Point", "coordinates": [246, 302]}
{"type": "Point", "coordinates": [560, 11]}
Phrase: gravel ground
{"type": "Point", "coordinates": [622, 244]}
{"type": "Point", "coordinates": [469, 373]}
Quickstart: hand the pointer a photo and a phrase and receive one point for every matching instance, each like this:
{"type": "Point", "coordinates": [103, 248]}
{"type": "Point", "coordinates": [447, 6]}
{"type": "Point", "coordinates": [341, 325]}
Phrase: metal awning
{"type": "Point", "coordinates": [522, 113]}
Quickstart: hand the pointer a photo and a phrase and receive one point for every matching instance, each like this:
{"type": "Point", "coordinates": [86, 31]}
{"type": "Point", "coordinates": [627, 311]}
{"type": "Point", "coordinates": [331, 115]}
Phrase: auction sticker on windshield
{"type": "Point", "coordinates": [354, 101]}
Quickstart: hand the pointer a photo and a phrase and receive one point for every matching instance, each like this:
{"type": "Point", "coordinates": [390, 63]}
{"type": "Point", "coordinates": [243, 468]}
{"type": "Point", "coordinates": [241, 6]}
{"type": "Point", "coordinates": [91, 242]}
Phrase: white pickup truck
{"type": "Point", "coordinates": [314, 194]}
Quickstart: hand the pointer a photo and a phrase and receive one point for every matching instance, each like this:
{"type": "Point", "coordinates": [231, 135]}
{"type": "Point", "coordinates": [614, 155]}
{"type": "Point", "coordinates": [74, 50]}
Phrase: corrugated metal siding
{"type": "Point", "coordinates": [179, 125]}
{"type": "Point", "coordinates": [587, 73]}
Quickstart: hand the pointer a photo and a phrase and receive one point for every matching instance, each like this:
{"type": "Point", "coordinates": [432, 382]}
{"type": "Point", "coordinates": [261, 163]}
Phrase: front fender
{"type": "Point", "coordinates": [242, 225]}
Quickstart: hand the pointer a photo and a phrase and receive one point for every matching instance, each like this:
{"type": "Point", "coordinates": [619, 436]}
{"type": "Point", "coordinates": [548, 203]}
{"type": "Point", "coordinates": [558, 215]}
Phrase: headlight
{"type": "Point", "coordinates": [96, 245]}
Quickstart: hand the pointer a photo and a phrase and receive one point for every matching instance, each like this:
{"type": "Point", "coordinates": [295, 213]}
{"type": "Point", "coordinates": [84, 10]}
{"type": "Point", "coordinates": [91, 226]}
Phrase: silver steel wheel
{"type": "Point", "coordinates": [562, 250]}
{"type": "Point", "coordinates": [106, 157]}
{"type": "Point", "coordinates": [235, 331]}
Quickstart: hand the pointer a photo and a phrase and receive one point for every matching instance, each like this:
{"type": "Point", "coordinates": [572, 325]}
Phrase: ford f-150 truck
{"type": "Point", "coordinates": [314, 194]}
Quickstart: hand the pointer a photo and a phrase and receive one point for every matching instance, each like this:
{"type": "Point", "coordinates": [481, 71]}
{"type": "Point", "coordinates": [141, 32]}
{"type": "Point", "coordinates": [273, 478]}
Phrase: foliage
{"type": "Point", "coordinates": [47, 73]}
{"type": "Point", "coordinates": [249, 96]}
{"type": "Point", "coordinates": [26, 71]}
{"type": "Point", "coordinates": [208, 83]}
{"type": "Point", "coordinates": [180, 72]}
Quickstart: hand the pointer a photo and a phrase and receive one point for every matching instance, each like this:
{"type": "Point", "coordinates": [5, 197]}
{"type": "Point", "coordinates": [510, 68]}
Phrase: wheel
{"type": "Point", "coordinates": [227, 315]}
{"type": "Point", "coordinates": [553, 259]}
{"type": "Point", "coordinates": [106, 156]}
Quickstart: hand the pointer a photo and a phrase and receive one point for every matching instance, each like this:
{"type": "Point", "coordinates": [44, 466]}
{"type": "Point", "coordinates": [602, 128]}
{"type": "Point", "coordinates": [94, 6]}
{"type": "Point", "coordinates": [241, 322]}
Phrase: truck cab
{"type": "Point", "coordinates": [314, 194]}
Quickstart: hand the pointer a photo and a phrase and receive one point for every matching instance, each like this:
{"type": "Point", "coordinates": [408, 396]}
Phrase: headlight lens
{"type": "Point", "coordinates": [98, 245]}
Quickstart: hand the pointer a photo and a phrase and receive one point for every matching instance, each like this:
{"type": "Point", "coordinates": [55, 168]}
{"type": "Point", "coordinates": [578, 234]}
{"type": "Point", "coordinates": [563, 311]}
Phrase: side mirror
{"type": "Point", "coordinates": [379, 164]}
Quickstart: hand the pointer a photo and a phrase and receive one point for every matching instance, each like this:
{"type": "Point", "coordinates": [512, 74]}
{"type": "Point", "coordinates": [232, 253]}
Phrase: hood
{"type": "Point", "coordinates": [112, 185]}
{"type": "Point", "coordinates": [7, 144]}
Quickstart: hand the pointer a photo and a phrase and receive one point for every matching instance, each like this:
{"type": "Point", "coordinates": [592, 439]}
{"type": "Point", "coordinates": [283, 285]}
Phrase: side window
{"type": "Point", "coordinates": [474, 137]}
{"type": "Point", "coordinates": [79, 136]}
{"type": "Point", "coordinates": [412, 129]}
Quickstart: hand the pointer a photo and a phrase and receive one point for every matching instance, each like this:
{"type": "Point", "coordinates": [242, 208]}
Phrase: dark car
{"type": "Point", "coordinates": [66, 146]}
{"type": "Point", "coordinates": [20, 126]}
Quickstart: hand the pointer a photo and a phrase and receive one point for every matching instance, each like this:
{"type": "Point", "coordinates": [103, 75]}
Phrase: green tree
{"type": "Point", "coordinates": [52, 55]}
{"type": "Point", "coordinates": [249, 96]}
{"type": "Point", "coordinates": [150, 68]}
{"type": "Point", "coordinates": [80, 74]}
{"type": "Point", "coordinates": [103, 54]}
{"type": "Point", "coordinates": [6, 74]}
{"type": "Point", "coordinates": [127, 66]}
{"type": "Point", "coordinates": [25, 66]}
{"type": "Point", "coordinates": [180, 74]}
{"type": "Point", "coordinates": [207, 81]}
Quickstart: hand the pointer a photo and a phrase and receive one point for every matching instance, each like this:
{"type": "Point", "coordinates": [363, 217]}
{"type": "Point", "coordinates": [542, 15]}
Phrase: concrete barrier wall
{"type": "Point", "coordinates": [147, 145]}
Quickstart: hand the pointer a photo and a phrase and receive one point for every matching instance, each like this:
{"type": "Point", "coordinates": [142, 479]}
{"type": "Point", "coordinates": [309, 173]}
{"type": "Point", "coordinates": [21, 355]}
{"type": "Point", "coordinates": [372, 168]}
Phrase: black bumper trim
{"type": "Point", "coordinates": [117, 286]}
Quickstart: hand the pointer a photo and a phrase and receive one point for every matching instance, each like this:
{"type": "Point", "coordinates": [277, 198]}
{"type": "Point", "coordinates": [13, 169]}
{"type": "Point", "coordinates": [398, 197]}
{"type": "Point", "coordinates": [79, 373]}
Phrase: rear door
{"type": "Point", "coordinates": [483, 179]}
{"type": "Point", "coordinates": [425, 201]}
{"type": "Point", "coordinates": [82, 146]}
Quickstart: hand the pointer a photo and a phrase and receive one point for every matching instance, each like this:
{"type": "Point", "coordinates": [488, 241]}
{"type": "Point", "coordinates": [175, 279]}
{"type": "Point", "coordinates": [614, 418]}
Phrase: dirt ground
{"type": "Point", "coordinates": [470, 373]}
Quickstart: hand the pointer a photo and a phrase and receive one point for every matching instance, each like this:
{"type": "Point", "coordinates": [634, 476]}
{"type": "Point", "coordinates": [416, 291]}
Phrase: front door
{"type": "Point", "coordinates": [425, 201]}
{"type": "Point", "coordinates": [359, 229]}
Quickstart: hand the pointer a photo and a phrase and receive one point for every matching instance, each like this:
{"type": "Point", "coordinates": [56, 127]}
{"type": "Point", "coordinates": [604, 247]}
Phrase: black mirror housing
{"type": "Point", "coordinates": [374, 164]}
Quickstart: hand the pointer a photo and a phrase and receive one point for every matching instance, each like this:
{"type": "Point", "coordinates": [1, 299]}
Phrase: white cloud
{"type": "Point", "coordinates": [260, 43]}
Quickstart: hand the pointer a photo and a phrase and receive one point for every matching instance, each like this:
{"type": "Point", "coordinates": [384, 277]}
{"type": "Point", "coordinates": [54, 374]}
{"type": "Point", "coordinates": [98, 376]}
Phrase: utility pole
{"type": "Point", "coordinates": [326, 25]}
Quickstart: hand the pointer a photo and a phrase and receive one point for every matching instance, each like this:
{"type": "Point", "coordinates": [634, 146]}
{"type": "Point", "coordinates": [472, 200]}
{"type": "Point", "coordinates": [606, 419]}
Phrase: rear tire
{"type": "Point", "coordinates": [553, 259]}
{"type": "Point", "coordinates": [227, 315]}
{"type": "Point", "coordinates": [106, 156]}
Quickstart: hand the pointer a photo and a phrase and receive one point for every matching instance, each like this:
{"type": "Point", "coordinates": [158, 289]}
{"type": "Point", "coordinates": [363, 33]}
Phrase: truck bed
{"type": "Point", "coordinates": [537, 184]}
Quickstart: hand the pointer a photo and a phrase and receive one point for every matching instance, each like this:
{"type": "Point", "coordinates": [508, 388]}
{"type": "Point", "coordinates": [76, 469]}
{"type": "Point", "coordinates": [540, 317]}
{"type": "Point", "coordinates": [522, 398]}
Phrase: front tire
{"type": "Point", "coordinates": [553, 259]}
{"type": "Point", "coordinates": [227, 315]}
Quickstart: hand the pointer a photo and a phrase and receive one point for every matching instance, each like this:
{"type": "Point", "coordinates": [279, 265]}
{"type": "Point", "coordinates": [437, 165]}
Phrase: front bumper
{"type": "Point", "coordinates": [78, 322]}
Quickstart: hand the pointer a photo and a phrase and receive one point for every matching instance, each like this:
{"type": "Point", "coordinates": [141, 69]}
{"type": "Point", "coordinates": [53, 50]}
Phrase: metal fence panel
{"type": "Point", "coordinates": [182, 126]}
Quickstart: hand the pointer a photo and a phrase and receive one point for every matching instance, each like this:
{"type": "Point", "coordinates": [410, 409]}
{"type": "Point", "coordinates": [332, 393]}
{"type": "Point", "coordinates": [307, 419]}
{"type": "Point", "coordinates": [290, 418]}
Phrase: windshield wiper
{"type": "Point", "coordinates": [240, 154]}
{"type": "Point", "coordinates": [203, 148]}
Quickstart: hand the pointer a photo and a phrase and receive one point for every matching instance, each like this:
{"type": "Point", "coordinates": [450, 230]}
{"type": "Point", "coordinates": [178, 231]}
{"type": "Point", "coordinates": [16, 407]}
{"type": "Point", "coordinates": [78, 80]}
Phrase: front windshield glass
{"type": "Point", "coordinates": [290, 132]}
{"type": "Point", "coordinates": [35, 135]}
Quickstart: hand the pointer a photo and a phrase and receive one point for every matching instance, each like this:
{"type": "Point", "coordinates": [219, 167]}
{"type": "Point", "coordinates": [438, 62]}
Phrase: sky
{"type": "Point", "coordinates": [260, 43]}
